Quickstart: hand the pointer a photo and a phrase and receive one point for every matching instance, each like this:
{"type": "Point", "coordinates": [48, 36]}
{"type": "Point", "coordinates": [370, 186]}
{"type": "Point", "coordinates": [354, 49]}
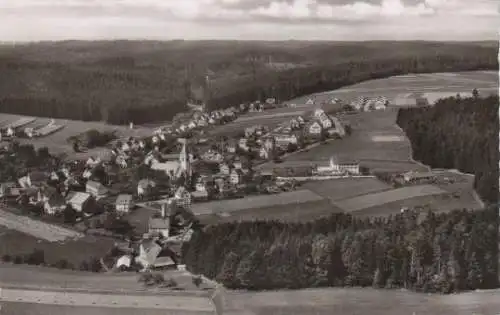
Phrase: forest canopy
{"type": "Point", "coordinates": [119, 82]}
{"type": "Point", "coordinates": [458, 133]}
{"type": "Point", "coordinates": [417, 250]}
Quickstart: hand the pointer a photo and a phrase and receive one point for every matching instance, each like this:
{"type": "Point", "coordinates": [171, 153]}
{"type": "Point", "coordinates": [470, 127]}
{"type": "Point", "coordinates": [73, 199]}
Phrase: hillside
{"type": "Point", "coordinates": [458, 133]}
{"type": "Point", "coordinates": [145, 81]}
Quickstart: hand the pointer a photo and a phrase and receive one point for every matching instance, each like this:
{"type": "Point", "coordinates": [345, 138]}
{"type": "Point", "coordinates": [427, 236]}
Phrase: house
{"type": "Point", "coordinates": [192, 124]}
{"type": "Point", "coordinates": [413, 177]}
{"type": "Point", "coordinates": [124, 261]}
{"type": "Point", "coordinates": [125, 147]}
{"type": "Point", "coordinates": [33, 179]}
{"type": "Point", "coordinates": [200, 195]}
{"type": "Point", "coordinates": [182, 197]}
{"type": "Point", "coordinates": [314, 129]}
{"type": "Point", "coordinates": [152, 255]}
{"type": "Point", "coordinates": [326, 122]}
{"type": "Point", "coordinates": [242, 143]}
{"type": "Point", "coordinates": [318, 113]}
{"type": "Point", "coordinates": [53, 202]}
{"type": "Point", "coordinates": [93, 162]}
{"type": "Point", "coordinates": [264, 153]}
{"type": "Point", "coordinates": [87, 173]}
{"type": "Point", "coordinates": [81, 202]}
{"type": "Point", "coordinates": [160, 224]}
{"type": "Point", "coordinates": [224, 168]}
{"type": "Point", "coordinates": [300, 120]}
{"type": "Point", "coordinates": [124, 203]}
{"type": "Point", "coordinates": [144, 186]}
{"type": "Point", "coordinates": [237, 176]}
{"type": "Point", "coordinates": [310, 101]}
{"type": "Point", "coordinates": [7, 189]}
{"type": "Point", "coordinates": [96, 189]}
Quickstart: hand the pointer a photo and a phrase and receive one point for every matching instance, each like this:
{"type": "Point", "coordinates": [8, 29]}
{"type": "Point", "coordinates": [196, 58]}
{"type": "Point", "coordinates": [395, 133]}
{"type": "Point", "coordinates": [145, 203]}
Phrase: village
{"type": "Point", "coordinates": [142, 196]}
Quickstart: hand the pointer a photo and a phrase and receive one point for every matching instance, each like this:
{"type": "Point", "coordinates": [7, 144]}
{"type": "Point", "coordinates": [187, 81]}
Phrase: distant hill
{"type": "Point", "coordinates": [145, 81]}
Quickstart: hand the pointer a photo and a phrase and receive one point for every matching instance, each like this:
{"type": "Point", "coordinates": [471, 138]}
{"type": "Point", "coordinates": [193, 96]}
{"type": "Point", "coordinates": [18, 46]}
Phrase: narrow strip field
{"type": "Point", "coordinates": [177, 303]}
{"type": "Point", "coordinates": [294, 197]}
{"type": "Point", "coordinates": [38, 229]}
{"type": "Point", "coordinates": [344, 188]}
{"type": "Point", "coordinates": [19, 308]}
{"type": "Point", "coordinates": [380, 198]}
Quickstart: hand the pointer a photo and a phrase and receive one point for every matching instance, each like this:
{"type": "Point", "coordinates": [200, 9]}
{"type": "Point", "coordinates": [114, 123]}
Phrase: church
{"type": "Point", "coordinates": [175, 169]}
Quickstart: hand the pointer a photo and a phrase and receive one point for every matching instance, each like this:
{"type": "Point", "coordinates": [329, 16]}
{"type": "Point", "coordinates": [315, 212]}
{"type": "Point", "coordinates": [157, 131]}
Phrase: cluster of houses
{"type": "Point", "coordinates": [366, 104]}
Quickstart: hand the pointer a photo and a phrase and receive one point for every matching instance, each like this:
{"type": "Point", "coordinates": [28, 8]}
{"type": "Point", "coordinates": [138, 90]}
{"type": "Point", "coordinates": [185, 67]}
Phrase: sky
{"type": "Point", "coordinates": [346, 20]}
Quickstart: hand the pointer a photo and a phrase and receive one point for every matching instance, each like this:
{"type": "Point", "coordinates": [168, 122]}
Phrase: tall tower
{"type": "Point", "coordinates": [184, 159]}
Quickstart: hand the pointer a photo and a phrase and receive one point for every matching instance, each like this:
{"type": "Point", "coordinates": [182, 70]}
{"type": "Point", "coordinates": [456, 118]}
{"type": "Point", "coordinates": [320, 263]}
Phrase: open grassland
{"type": "Point", "coordinates": [255, 202]}
{"type": "Point", "coordinates": [74, 251]}
{"type": "Point", "coordinates": [18, 308]}
{"type": "Point", "coordinates": [364, 144]}
{"type": "Point", "coordinates": [354, 301]}
{"type": "Point", "coordinates": [296, 212]}
{"type": "Point", "coordinates": [460, 82]}
{"type": "Point", "coordinates": [177, 303]}
{"type": "Point", "coordinates": [381, 198]}
{"type": "Point", "coordinates": [34, 277]}
{"type": "Point", "coordinates": [57, 141]}
{"type": "Point", "coordinates": [344, 188]}
{"type": "Point", "coordinates": [38, 229]}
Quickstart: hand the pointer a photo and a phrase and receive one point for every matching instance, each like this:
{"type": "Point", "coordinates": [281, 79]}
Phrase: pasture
{"type": "Point", "coordinates": [345, 301]}
{"type": "Point", "coordinates": [14, 243]}
{"type": "Point", "coordinates": [255, 202]}
{"type": "Point", "coordinates": [384, 197]}
{"type": "Point", "coordinates": [39, 229]}
{"type": "Point", "coordinates": [294, 212]}
{"type": "Point", "coordinates": [344, 188]}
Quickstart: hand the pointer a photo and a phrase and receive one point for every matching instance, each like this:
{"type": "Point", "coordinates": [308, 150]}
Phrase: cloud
{"type": "Point", "coordinates": [335, 18]}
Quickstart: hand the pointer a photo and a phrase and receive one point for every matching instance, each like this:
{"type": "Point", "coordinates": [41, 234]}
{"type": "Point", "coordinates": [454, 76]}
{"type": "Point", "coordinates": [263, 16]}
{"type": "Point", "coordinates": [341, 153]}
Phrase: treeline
{"type": "Point", "coordinates": [458, 133]}
{"type": "Point", "coordinates": [152, 86]}
{"type": "Point", "coordinates": [421, 251]}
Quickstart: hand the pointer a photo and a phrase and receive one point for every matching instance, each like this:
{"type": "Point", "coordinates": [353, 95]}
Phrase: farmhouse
{"type": "Point", "coordinates": [182, 197]}
{"type": "Point", "coordinates": [123, 203]}
{"type": "Point", "coordinates": [414, 177]}
{"type": "Point", "coordinates": [314, 129]}
{"type": "Point", "coordinates": [224, 169]}
{"type": "Point", "coordinates": [237, 176]}
{"type": "Point", "coordinates": [160, 224]}
{"type": "Point", "coordinates": [310, 101]}
{"type": "Point", "coordinates": [283, 140]}
{"type": "Point", "coordinates": [96, 189]}
{"type": "Point", "coordinates": [53, 202]}
{"type": "Point", "coordinates": [150, 256]}
{"type": "Point", "coordinates": [33, 179]}
{"type": "Point", "coordinates": [81, 202]}
{"type": "Point", "coordinates": [144, 187]}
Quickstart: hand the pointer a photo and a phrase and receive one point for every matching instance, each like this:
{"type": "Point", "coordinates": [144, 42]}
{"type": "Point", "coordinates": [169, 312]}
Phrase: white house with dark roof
{"type": "Point", "coordinates": [124, 203]}
{"type": "Point", "coordinates": [81, 202]}
{"type": "Point", "coordinates": [96, 189]}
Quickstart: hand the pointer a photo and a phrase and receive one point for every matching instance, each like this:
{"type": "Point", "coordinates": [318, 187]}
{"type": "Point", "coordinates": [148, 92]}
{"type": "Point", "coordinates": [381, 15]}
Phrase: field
{"type": "Point", "coordinates": [74, 251]}
{"type": "Point", "coordinates": [395, 87]}
{"type": "Point", "coordinates": [39, 229]}
{"type": "Point", "coordinates": [355, 301]}
{"type": "Point", "coordinates": [376, 142]}
{"type": "Point", "coordinates": [57, 141]}
{"type": "Point", "coordinates": [345, 188]}
{"type": "Point", "coordinates": [294, 212]}
{"type": "Point", "coordinates": [381, 198]}
{"type": "Point", "coordinates": [255, 202]}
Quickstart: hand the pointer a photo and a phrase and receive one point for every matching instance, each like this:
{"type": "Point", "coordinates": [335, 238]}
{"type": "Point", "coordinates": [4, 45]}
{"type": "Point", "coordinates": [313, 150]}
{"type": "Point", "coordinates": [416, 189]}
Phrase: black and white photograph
{"type": "Point", "coordinates": [249, 157]}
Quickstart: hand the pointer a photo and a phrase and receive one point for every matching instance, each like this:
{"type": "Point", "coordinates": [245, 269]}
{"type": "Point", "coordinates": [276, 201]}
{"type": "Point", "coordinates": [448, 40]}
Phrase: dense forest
{"type": "Point", "coordinates": [458, 133]}
{"type": "Point", "coordinates": [124, 81]}
{"type": "Point", "coordinates": [417, 250]}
